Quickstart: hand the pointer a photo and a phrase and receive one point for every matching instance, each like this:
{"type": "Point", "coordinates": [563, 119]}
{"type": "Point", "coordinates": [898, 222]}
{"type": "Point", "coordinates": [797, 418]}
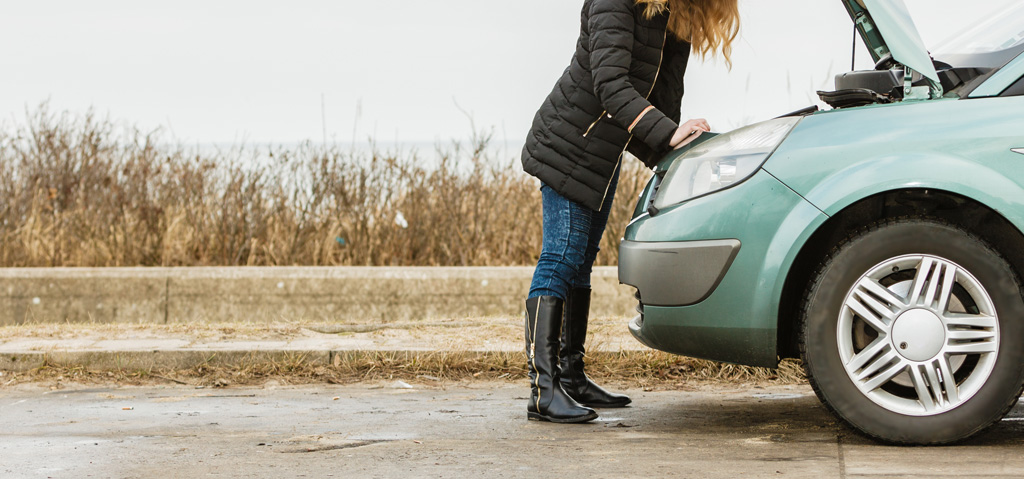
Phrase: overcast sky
{"type": "Point", "coordinates": [408, 70]}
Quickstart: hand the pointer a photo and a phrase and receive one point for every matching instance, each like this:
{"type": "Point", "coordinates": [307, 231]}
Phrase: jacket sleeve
{"type": "Point", "coordinates": [611, 24]}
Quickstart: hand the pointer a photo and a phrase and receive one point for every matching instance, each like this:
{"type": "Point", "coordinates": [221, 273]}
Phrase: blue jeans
{"type": "Point", "coordinates": [572, 235]}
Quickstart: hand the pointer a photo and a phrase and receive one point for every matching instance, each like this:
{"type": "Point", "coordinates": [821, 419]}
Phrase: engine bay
{"type": "Point", "coordinates": [886, 83]}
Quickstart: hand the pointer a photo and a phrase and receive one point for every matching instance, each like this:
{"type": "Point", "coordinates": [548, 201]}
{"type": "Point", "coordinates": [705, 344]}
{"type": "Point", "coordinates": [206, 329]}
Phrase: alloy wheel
{"type": "Point", "coordinates": [918, 334]}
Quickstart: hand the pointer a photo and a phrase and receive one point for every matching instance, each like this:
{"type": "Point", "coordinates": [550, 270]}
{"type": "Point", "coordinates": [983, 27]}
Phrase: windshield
{"type": "Point", "coordinates": [1001, 29]}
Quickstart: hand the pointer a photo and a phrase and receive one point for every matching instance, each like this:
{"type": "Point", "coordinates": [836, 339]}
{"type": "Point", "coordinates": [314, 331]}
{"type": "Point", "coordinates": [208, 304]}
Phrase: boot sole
{"type": "Point", "coordinates": [533, 416]}
{"type": "Point", "coordinates": [608, 405]}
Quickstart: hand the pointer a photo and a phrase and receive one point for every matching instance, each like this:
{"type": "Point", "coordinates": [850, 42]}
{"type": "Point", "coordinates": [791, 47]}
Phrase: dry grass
{"type": "Point", "coordinates": [81, 191]}
{"type": "Point", "coordinates": [646, 369]}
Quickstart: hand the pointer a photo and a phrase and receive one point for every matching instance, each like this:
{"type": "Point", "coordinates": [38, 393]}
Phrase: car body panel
{"type": "Point", "coordinates": [836, 158]}
{"type": "Point", "coordinates": [1001, 79]}
{"type": "Point", "coordinates": [719, 327]}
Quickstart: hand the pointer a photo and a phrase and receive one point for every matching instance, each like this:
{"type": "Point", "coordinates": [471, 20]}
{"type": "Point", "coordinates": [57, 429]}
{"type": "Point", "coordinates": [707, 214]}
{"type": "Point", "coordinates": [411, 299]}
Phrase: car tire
{"type": "Point", "coordinates": [955, 310]}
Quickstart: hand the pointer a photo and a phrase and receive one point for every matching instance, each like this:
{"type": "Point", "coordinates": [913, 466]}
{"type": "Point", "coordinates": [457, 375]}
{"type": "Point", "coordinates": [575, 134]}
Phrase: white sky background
{"type": "Point", "coordinates": [228, 71]}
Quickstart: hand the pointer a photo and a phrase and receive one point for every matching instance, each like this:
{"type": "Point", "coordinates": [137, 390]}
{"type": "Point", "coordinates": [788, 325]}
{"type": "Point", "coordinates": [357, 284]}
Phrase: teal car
{"type": "Point", "coordinates": [880, 240]}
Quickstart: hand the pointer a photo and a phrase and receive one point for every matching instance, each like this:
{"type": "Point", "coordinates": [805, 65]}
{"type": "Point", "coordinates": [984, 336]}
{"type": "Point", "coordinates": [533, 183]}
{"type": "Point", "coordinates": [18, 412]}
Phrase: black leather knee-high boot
{"type": "Point", "coordinates": [548, 402]}
{"type": "Point", "coordinates": [574, 332]}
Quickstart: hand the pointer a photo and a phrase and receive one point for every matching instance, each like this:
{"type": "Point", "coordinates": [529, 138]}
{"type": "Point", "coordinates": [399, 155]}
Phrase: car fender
{"type": "Point", "coordinates": [794, 231]}
{"type": "Point", "coordinates": [844, 188]}
{"type": "Point", "coordinates": [932, 170]}
{"type": "Point", "coordinates": [838, 158]}
{"type": "Point", "coordinates": [967, 147]}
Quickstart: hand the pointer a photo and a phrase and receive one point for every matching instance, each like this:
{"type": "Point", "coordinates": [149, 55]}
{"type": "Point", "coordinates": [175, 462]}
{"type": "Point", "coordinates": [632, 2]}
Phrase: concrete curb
{"type": "Point", "coordinates": [95, 352]}
{"type": "Point", "coordinates": [266, 294]}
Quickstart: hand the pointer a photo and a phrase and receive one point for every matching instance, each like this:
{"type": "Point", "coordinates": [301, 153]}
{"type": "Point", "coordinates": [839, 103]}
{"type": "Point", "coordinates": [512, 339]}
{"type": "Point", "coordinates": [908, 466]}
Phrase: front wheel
{"type": "Point", "coordinates": [913, 332]}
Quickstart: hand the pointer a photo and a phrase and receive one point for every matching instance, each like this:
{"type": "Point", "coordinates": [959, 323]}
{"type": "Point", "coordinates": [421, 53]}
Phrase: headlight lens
{"type": "Point", "coordinates": [722, 161]}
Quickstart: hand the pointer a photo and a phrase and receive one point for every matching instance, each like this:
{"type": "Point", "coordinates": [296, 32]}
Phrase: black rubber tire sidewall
{"type": "Point", "coordinates": [866, 250]}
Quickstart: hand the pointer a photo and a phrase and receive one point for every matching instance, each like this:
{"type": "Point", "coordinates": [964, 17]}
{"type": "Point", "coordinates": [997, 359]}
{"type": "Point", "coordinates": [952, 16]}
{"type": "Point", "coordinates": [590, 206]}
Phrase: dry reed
{"type": "Point", "coordinates": [82, 191]}
{"type": "Point", "coordinates": [647, 369]}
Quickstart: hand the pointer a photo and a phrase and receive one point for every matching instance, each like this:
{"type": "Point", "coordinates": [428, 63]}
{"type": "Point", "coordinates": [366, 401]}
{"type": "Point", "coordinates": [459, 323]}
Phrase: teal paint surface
{"type": "Point", "coordinates": [737, 322]}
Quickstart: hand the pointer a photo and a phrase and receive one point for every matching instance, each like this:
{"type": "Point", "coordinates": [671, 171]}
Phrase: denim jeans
{"type": "Point", "coordinates": [572, 235]}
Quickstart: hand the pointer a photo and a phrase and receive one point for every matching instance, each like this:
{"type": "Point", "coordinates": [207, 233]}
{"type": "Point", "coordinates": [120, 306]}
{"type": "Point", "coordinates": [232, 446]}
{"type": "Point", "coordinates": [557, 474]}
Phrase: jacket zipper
{"type": "Point", "coordinates": [591, 127]}
{"type": "Point", "coordinates": [617, 162]}
{"type": "Point", "coordinates": [661, 57]}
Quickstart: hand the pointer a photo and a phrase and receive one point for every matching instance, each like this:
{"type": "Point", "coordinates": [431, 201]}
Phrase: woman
{"type": "Point", "coordinates": [621, 92]}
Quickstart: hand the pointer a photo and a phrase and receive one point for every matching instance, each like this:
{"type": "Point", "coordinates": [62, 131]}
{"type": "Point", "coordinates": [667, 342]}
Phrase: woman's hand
{"type": "Point", "coordinates": [688, 132]}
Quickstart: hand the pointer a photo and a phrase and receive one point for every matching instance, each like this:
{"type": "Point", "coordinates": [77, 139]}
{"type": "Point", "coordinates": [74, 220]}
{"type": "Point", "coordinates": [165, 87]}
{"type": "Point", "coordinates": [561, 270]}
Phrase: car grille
{"type": "Point", "coordinates": [658, 176]}
{"type": "Point", "coordinates": [639, 306]}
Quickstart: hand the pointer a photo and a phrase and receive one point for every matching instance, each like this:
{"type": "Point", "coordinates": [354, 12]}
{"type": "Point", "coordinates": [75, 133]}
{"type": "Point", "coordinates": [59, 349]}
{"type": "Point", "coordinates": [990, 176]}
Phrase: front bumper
{"type": "Point", "coordinates": [702, 294]}
{"type": "Point", "coordinates": [695, 268]}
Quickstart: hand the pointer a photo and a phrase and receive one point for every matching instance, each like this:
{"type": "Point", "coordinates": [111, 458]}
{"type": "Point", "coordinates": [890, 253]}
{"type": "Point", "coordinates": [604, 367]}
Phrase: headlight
{"type": "Point", "coordinates": [722, 161]}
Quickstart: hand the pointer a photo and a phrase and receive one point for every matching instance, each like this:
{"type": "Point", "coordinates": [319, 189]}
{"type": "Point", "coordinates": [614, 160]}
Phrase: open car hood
{"type": "Point", "coordinates": [886, 28]}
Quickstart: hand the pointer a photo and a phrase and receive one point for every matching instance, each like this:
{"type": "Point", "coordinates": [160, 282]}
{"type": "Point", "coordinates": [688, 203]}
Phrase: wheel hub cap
{"type": "Point", "coordinates": [918, 334]}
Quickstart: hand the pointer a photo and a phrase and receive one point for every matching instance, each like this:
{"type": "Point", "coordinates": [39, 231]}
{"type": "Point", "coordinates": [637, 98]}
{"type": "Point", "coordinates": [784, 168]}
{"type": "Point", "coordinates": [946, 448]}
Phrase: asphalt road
{"type": "Point", "coordinates": [467, 430]}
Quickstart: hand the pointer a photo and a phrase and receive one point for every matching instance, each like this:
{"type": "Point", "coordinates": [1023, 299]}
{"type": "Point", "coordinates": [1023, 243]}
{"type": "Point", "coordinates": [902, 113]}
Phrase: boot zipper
{"type": "Point", "coordinates": [533, 357]}
{"type": "Point", "coordinates": [664, 41]}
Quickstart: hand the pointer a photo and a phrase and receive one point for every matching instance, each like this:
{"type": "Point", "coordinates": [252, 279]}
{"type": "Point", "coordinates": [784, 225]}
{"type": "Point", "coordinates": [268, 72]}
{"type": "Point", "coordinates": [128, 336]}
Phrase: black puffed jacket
{"type": "Point", "coordinates": [622, 90]}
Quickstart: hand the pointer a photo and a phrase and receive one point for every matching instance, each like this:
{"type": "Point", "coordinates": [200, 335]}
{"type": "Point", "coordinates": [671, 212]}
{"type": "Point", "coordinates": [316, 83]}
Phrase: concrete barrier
{"type": "Point", "coordinates": [264, 294]}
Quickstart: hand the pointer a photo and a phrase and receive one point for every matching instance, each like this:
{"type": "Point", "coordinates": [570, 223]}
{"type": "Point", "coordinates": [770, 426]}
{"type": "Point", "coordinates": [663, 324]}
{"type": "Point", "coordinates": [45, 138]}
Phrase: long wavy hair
{"type": "Point", "coordinates": [709, 25]}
